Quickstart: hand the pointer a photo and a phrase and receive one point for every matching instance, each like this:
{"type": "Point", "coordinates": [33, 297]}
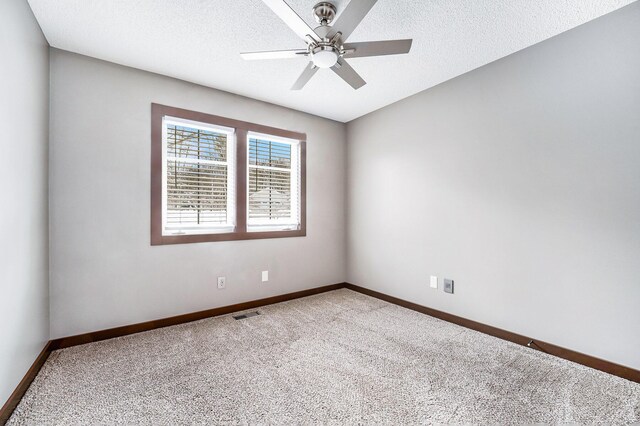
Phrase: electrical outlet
{"type": "Point", "coordinates": [222, 282]}
{"type": "Point", "coordinates": [433, 282]}
{"type": "Point", "coordinates": [265, 276]}
{"type": "Point", "coordinates": [448, 285]}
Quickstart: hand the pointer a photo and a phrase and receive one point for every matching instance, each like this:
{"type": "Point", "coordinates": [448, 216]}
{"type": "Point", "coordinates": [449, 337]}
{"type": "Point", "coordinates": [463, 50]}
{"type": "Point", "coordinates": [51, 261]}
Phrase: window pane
{"type": "Point", "coordinates": [269, 194]}
{"type": "Point", "coordinates": [271, 154]}
{"type": "Point", "coordinates": [185, 142]}
{"type": "Point", "coordinates": [196, 193]}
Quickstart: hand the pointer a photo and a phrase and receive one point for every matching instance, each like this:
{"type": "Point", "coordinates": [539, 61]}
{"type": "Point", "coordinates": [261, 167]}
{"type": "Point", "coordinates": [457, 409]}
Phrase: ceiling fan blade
{"type": "Point", "coordinates": [306, 75]}
{"type": "Point", "coordinates": [348, 74]}
{"type": "Point", "coordinates": [275, 54]}
{"type": "Point", "coordinates": [291, 18]}
{"type": "Point", "coordinates": [350, 18]}
{"type": "Point", "coordinates": [377, 48]}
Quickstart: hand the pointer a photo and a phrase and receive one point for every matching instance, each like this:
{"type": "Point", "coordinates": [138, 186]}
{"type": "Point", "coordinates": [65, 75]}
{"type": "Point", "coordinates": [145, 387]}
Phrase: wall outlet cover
{"type": "Point", "coordinates": [448, 285]}
{"type": "Point", "coordinates": [222, 282]}
{"type": "Point", "coordinates": [265, 276]}
{"type": "Point", "coordinates": [433, 282]}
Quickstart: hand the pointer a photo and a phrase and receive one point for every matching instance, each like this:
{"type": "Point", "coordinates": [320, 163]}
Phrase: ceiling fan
{"type": "Point", "coordinates": [326, 47]}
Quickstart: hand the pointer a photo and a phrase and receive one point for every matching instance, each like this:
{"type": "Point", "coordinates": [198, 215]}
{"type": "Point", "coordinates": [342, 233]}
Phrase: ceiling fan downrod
{"type": "Point", "coordinates": [324, 12]}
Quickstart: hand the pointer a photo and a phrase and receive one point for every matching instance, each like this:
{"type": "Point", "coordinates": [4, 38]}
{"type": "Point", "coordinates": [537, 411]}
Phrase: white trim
{"type": "Point", "coordinates": [164, 176]}
{"type": "Point", "coordinates": [277, 169]}
{"type": "Point", "coordinates": [295, 184]}
{"type": "Point", "coordinates": [198, 230]}
{"type": "Point", "coordinates": [232, 143]}
{"type": "Point", "coordinates": [263, 227]}
{"type": "Point", "coordinates": [197, 125]}
{"type": "Point", "coordinates": [197, 160]}
{"type": "Point", "coordinates": [271, 138]}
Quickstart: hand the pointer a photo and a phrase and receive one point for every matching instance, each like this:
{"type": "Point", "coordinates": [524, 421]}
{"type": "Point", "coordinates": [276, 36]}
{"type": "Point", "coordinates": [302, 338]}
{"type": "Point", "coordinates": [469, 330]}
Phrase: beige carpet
{"type": "Point", "coordinates": [338, 358]}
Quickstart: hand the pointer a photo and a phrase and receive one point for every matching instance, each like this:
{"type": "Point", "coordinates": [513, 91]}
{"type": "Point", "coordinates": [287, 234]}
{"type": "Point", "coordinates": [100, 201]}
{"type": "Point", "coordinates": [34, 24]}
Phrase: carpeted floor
{"type": "Point", "coordinates": [338, 357]}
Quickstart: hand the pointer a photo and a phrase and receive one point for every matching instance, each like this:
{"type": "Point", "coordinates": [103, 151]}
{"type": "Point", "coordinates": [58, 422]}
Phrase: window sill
{"type": "Point", "coordinates": [202, 231]}
{"type": "Point", "coordinates": [270, 228]}
{"type": "Point", "coordinates": [158, 240]}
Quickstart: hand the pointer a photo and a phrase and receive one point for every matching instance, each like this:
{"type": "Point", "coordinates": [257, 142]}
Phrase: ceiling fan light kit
{"type": "Point", "coordinates": [325, 56]}
{"type": "Point", "coordinates": [326, 47]}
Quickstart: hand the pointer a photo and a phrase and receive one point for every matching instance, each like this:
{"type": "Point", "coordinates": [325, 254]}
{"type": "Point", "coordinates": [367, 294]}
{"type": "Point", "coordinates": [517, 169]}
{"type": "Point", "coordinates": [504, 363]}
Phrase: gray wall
{"type": "Point", "coordinates": [520, 181]}
{"type": "Point", "coordinates": [104, 273]}
{"type": "Point", "coordinates": [24, 256]}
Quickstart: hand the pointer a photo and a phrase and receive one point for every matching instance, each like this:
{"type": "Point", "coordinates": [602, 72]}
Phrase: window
{"type": "Point", "coordinates": [273, 183]}
{"type": "Point", "coordinates": [217, 179]}
{"type": "Point", "coordinates": [197, 194]}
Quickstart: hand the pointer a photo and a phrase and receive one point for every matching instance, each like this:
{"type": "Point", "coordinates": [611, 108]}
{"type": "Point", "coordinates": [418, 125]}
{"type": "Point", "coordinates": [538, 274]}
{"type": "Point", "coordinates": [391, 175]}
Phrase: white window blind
{"type": "Point", "coordinates": [198, 177]}
{"type": "Point", "coordinates": [273, 183]}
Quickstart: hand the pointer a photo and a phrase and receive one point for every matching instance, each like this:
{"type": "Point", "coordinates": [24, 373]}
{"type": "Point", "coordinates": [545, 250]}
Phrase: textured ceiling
{"type": "Point", "coordinates": [199, 41]}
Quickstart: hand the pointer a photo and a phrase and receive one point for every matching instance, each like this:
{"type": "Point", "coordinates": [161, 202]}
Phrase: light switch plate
{"type": "Point", "coordinates": [265, 276]}
{"type": "Point", "coordinates": [448, 285]}
{"type": "Point", "coordinates": [433, 282]}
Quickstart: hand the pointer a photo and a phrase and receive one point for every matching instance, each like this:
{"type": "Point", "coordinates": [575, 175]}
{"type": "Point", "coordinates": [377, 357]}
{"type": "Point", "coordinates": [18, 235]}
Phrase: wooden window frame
{"type": "Point", "coordinates": [242, 128]}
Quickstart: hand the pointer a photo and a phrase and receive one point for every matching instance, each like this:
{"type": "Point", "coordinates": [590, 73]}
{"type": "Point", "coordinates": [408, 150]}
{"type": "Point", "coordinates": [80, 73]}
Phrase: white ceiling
{"type": "Point", "coordinates": [199, 41]}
